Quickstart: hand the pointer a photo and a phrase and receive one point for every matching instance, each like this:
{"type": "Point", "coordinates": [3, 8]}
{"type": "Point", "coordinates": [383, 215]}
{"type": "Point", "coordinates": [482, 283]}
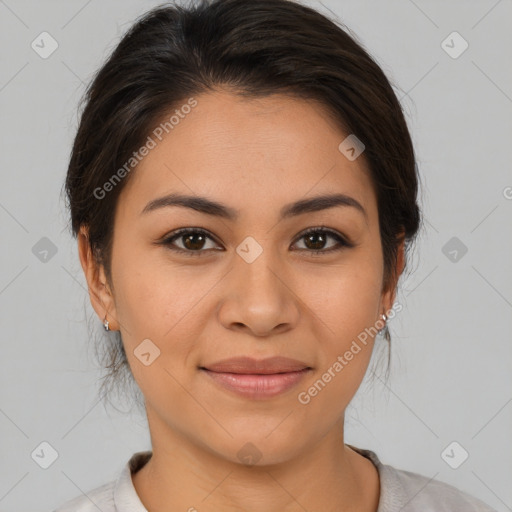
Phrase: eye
{"type": "Point", "coordinates": [315, 239]}
{"type": "Point", "coordinates": [193, 241]}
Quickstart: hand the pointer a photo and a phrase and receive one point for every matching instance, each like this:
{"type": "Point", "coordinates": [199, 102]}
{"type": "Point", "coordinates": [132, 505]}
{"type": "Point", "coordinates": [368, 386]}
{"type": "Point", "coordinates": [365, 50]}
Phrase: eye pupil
{"type": "Point", "coordinates": [193, 236]}
{"type": "Point", "coordinates": [316, 245]}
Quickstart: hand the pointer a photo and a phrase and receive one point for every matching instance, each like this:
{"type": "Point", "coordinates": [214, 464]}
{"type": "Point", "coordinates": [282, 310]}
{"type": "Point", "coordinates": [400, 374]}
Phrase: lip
{"type": "Point", "coordinates": [257, 379]}
{"type": "Point", "coordinates": [249, 365]}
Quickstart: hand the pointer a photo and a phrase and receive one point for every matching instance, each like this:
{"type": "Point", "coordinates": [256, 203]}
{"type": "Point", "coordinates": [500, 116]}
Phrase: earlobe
{"type": "Point", "coordinates": [101, 298]}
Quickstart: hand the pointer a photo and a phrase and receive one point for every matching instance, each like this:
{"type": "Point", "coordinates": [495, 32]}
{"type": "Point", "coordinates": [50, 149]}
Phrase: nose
{"type": "Point", "coordinates": [258, 296]}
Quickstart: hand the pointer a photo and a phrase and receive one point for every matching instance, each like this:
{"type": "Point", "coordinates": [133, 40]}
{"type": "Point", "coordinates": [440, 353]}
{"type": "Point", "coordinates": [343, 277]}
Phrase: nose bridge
{"type": "Point", "coordinates": [258, 298]}
{"type": "Point", "coordinates": [258, 262]}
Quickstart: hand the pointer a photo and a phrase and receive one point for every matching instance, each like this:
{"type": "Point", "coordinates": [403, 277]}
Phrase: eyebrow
{"type": "Point", "coordinates": [210, 207]}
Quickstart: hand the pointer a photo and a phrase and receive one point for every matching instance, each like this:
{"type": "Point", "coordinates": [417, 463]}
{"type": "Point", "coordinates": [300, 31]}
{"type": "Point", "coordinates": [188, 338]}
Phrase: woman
{"type": "Point", "coordinates": [243, 188]}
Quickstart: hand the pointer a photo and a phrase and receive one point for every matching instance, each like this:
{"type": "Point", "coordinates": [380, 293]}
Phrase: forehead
{"type": "Point", "coordinates": [249, 153]}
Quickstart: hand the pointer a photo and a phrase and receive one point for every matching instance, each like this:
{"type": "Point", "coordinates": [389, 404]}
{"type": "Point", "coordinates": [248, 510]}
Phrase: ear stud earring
{"type": "Point", "coordinates": [105, 324]}
{"type": "Point", "coordinates": [383, 317]}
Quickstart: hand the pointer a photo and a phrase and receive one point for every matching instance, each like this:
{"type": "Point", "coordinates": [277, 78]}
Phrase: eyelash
{"type": "Point", "coordinates": [342, 242]}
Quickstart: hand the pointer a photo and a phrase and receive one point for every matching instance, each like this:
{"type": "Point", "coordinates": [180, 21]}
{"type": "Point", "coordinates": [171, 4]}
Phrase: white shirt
{"type": "Point", "coordinates": [400, 490]}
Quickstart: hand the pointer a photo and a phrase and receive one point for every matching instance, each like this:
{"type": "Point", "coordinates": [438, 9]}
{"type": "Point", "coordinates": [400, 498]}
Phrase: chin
{"type": "Point", "coordinates": [258, 449]}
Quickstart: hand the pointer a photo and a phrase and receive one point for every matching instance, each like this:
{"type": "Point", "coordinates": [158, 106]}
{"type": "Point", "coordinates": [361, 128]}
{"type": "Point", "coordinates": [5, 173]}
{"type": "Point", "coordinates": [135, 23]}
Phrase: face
{"type": "Point", "coordinates": [255, 284]}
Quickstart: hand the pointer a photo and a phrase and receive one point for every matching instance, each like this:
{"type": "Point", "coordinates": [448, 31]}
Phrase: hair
{"type": "Point", "coordinates": [253, 49]}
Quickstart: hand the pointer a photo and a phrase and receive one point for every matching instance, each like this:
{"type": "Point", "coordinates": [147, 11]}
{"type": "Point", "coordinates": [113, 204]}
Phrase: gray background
{"type": "Point", "coordinates": [451, 354]}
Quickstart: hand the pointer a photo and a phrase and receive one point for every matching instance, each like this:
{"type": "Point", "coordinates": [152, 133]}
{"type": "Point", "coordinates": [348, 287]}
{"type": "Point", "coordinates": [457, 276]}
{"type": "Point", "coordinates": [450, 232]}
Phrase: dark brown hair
{"type": "Point", "coordinates": [254, 48]}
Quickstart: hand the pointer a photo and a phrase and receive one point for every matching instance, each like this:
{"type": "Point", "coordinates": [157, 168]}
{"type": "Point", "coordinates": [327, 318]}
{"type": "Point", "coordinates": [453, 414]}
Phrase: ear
{"type": "Point", "coordinates": [389, 294]}
{"type": "Point", "coordinates": [101, 297]}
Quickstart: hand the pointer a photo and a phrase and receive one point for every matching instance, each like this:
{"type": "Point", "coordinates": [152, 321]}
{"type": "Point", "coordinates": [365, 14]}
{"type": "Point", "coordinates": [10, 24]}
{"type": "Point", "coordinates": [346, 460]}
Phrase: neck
{"type": "Point", "coordinates": [327, 476]}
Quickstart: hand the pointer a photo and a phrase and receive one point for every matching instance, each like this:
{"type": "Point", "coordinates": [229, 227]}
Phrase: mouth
{"type": "Point", "coordinates": [255, 379]}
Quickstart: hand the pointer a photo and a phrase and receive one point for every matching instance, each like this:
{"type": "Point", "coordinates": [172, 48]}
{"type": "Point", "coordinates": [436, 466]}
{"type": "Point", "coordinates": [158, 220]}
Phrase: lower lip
{"type": "Point", "coordinates": [258, 386]}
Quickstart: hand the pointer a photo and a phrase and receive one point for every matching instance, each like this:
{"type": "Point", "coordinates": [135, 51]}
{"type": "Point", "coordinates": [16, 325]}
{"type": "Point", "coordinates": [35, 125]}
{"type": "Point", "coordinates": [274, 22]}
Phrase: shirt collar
{"type": "Point", "coordinates": [392, 494]}
{"type": "Point", "coordinates": [126, 499]}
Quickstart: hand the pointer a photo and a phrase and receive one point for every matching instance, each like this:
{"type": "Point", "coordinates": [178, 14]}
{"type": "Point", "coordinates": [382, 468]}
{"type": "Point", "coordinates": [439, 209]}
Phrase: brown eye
{"type": "Point", "coordinates": [316, 239]}
{"type": "Point", "coordinates": [193, 241]}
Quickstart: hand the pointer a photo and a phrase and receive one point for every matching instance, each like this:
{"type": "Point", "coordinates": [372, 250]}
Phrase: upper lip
{"type": "Point", "coordinates": [249, 365]}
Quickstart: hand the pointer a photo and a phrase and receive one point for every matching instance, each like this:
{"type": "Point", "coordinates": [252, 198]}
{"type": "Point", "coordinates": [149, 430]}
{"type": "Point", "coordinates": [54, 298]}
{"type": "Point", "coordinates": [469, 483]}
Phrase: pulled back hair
{"type": "Point", "coordinates": [254, 48]}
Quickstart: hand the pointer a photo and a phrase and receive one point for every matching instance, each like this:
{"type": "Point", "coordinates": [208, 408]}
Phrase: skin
{"type": "Point", "coordinates": [254, 156]}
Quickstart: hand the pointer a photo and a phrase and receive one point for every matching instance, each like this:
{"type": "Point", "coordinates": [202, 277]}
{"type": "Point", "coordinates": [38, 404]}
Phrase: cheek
{"type": "Point", "coordinates": [151, 296]}
{"type": "Point", "coordinates": [347, 310]}
{"type": "Point", "coordinates": [345, 299]}
{"type": "Point", "coordinates": [164, 304]}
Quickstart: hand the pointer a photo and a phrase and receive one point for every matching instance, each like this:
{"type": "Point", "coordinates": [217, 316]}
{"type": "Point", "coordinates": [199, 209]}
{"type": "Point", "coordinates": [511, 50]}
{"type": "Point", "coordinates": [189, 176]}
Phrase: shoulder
{"type": "Point", "coordinates": [427, 494]}
{"type": "Point", "coordinates": [101, 498]}
{"type": "Point", "coordinates": [118, 494]}
{"type": "Point", "coordinates": [412, 492]}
